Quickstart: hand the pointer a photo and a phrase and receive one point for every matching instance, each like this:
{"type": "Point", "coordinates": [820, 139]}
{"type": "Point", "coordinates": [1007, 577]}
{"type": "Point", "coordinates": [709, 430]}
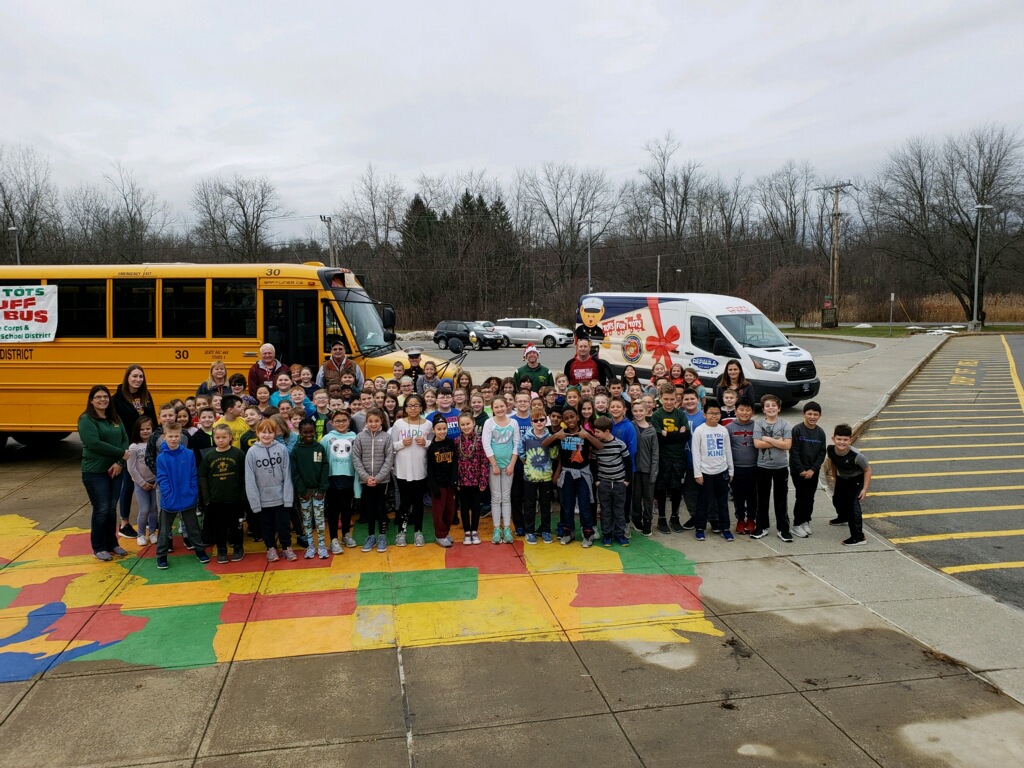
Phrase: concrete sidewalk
{"type": "Point", "coordinates": [800, 654]}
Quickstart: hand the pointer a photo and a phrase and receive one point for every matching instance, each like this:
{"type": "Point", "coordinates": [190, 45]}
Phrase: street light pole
{"type": "Point", "coordinates": [17, 246]}
{"type": "Point", "coordinates": [980, 209]}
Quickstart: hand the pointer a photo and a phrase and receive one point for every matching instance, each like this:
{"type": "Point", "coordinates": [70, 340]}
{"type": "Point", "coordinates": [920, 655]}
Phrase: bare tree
{"type": "Point", "coordinates": [233, 214]}
{"type": "Point", "coordinates": [29, 201]}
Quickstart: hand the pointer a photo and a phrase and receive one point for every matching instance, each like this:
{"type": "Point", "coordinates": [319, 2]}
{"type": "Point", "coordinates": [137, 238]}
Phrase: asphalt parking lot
{"type": "Point", "coordinates": [948, 462]}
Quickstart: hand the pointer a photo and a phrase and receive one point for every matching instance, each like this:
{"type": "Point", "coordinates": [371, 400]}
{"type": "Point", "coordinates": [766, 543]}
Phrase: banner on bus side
{"type": "Point", "coordinates": [28, 313]}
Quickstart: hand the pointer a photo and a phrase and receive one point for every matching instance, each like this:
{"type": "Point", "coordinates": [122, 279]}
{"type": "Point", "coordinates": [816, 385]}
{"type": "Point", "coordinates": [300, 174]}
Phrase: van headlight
{"type": "Point", "coordinates": [764, 364]}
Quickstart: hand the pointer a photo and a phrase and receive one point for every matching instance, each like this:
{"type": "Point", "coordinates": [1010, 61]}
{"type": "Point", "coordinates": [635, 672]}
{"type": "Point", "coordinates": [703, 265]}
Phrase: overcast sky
{"type": "Point", "coordinates": [309, 93]}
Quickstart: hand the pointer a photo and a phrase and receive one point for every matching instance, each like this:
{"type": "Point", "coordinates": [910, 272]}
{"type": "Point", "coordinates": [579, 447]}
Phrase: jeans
{"type": "Point", "coordinates": [717, 486]}
{"type": "Point", "coordinates": [613, 507]}
{"type": "Point", "coordinates": [643, 500]}
{"type": "Point", "coordinates": [149, 513]}
{"type": "Point", "coordinates": [805, 488]}
{"type": "Point", "coordinates": [766, 480]}
{"type": "Point", "coordinates": [534, 495]}
{"type": "Point", "coordinates": [575, 491]}
{"type": "Point", "coordinates": [103, 491]}
{"type": "Point", "coordinates": [126, 493]}
{"type": "Point", "coordinates": [191, 523]}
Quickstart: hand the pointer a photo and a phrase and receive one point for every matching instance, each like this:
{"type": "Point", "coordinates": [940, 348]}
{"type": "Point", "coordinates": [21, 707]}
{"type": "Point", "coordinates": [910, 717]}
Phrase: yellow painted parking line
{"type": "Point", "coordinates": [941, 511]}
{"type": "Point", "coordinates": [1013, 373]}
{"type": "Point", "coordinates": [916, 436]}
{"type": "Point", "coordinates": [875, 477]}
{"type": "Point", "coordinates": [982, 567]}
{"type": "Point", "coordinates": [918, 459]}
{"type": "Point", "coordinates": [930, 409]}
{"type": "Point", "coordinates": [961, 418]}
{"type": "Point", "coordinates": [943, 447]}
{"type": "Point", "coordinates": [954, 536]}
{"type": "Point", "coordinates": [930, 491]}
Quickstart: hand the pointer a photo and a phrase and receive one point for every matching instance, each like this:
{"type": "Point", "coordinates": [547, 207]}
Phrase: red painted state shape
{"type": "Point", "coordinates": [236, 608]}
{"type": "Point", "coordinates": [70, 624]}
{"type": "Point", "coordinates": [108, 625]}
{"type": "Point", "coordinates": [75, 544]}
{"type": "Point", "coordinates": [50, 591]}
{"type": "Point", "coordinates": [303, 605]}
{"type": "Point", "coordinates": [487, 558]}
{"type": "Point", "coordinates": [611, 590]}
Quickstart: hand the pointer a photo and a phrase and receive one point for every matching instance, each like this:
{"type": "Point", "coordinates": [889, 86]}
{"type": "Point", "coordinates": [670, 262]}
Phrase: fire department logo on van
{"type": "Point", "coordinates": [704, 363]}
{"type": "Point", "coordinates": [632, 348]}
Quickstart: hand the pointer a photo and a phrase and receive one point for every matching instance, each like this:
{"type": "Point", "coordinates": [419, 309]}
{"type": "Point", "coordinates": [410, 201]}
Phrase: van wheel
{"type": "Point", "coordinates": [442, 343]}
{"type": "Point", "coordinates": [549, 341]}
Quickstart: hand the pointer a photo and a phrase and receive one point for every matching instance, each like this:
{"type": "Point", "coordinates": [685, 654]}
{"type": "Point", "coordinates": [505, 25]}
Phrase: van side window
{"type": "Point", "coordinates": [704, 333]}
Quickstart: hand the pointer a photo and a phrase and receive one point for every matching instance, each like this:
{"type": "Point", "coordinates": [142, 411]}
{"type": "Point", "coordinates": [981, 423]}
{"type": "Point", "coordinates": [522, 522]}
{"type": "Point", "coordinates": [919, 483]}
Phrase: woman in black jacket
{"type": "Point", "coordinates": [130, 401]}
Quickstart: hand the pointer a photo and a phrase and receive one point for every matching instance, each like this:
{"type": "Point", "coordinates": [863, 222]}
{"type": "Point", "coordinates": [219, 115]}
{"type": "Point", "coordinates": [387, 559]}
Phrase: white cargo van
{"type": "Point", "coordinates": [701, 331]}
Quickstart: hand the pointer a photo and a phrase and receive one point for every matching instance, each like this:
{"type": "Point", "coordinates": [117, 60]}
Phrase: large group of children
{"type": "Point", "coordinates": [304, 460]}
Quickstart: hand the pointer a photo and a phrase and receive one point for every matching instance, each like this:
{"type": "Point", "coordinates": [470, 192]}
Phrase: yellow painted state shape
{"type": "Point", "coordinates": [313, 580]}
{"type": "Point", "coordinates": [137, 594]}
{"type": "Point", "coordinates": [90, 588]}
{"type": "Point", "coordinates": [367, 628]}
{"type": "Point", "coordinates": [503, 608]}
{"type": "Point", "coordinates": [554, 558]}
{"type": "Point", "coordinates": [661, 632]}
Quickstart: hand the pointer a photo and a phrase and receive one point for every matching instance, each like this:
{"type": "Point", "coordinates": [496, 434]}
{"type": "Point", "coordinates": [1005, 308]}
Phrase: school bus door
{"type": "Point", "coordinates": [290, 323]}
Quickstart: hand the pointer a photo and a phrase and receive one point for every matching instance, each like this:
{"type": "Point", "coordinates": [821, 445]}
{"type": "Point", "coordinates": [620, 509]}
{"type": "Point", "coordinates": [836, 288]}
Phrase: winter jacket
{"type": "Point", "coordinates": [372, 456]}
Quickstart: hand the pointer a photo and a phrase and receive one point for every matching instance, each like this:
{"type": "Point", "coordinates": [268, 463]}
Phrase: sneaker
{"type": "Point", "coordinates": [272, 556]}
{"type": "Point", "coordinates": [322, 553]}
{"type": "Point", "coordinates": [170, 545]}
{"type": "Point", "coordinates": [798, 531]}
{"type": "Point", "coordinates": [445, 542]}
{"type": "Point", "coordinates": [310, 553]}
{"type": "Point", "coordinates": [222, 558]}
{"type": "Point", "coordinates": [121, 551]}
{"type": "Point", "coordinates": [836, 521]}
{"type": "Point", "coordinates": [202, 557]}
{"type": "Point", "coordinates": [646, 531]}
{"type": "Point", "coordinates": [418, 539]}
{"type": "Point", "coordinates": [141, 540]}
{"type": "Point", "coordinates": [567, 538]}
{"type": "Point", "coordinates": [467, 538]}
{"type": "Point", "coordinates": [785, 536]}
{"type": "Point", "coordinates": [727, 535]}
{"type": "Point", "coordinates": [520, 532]}
{"type": "Point", "coordinates": [506, 535]}
{"type": "Point", "coordinates": [290, 555]}
{"type": "Point", "coordinates": [689, 525]}
{"type": "Point", "coordinates": [161, 563]}
{"type": "Point", "coordinates": [336, 546]}
{"type": "Point", "coordinates": [676, 527]}
{"type": "Point", "coordinates": [237, 555]}
{"type": "Point", "coordinates": [187, 542]}
{"type": "Point", "coordinates": [622, 541]}
{"type": "Point", "coordinates": [104, 556]}
{"type": "Point", "coordinates": [699, 535]}
{"type": "Point", "coordinates": [496, 536]}
{"type": "Point", "coordinates": [853, 542]}
{"type": "Point", "coordinates": [348, 540]}
{"type": "Point", "coordinates": [606, 540]}
{"type": "Point", "coordinates": [588, 540]}
{"type": "Point", "coordinates": [545, 537]}
{"type": "Point", "coordinates": [759, 533]}
{"type": "Point", "coordinates": [400, 539]}
{"type": "Point", "coordinates": [476, 537]}
{"type": "Point", "coordinates": [807, 527]}
{"type": "Point", "coordinates": [152, 538]}
{"type": "Point", "coordinates": [531, 538]}
{"type": "Point", "coordinates": [741, 527]}
{"type": "Point", "coordinates": [127, 532]}
{"type": "Point", "coordinates": [663, 526]}
{"type": "Point", "coordinates": [382, 542]}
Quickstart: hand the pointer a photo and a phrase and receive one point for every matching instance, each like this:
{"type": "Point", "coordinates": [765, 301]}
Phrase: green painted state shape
{"type": "Point", "coordinates": [638, 560]}
{"type": "Point", "coordinates": [434, 586]}
{"type": "Point", "coordinates": [673, 562]}
{"type": "Point", "coordinates": [176, 637]}
{"type": "Point", "coordinates": [183, 569]}
{"type": "Point", "coordinates": [7, 595]}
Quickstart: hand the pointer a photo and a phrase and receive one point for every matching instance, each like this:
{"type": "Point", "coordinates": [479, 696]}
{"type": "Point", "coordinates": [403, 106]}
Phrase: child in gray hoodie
{"type": "Point", "coordinates": [268, 486]}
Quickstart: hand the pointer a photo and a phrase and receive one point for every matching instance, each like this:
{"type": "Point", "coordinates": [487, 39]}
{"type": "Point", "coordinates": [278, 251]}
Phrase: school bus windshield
{"type": "Point", "coordinates": [363, 319]}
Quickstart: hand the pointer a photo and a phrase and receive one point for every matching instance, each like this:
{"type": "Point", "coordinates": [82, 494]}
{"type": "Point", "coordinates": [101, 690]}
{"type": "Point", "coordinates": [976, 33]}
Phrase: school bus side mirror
{"type": "Point", "coordinates": [389, 317]}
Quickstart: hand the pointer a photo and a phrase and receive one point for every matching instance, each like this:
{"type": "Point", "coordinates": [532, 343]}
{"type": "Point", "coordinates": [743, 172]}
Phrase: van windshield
{"type": "Point", "coordinates": [753, 331]}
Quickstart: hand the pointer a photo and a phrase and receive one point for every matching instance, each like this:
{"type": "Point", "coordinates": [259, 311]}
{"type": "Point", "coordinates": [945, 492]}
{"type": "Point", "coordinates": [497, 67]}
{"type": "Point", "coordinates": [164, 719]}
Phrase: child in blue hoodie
{"type": "Point", "coordinates": [343, 485]}
{"type": "Point", "coordinates": [178, 482]}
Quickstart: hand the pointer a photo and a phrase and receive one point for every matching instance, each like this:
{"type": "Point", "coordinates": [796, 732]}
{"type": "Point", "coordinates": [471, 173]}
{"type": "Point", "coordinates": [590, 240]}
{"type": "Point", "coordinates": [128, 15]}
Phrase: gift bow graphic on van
{"type": "Point", "coordinates": [662, 345]}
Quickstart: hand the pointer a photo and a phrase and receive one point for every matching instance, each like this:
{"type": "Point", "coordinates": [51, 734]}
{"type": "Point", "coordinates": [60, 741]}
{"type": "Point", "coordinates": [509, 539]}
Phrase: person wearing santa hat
{"type": "Point", "coordinates": [538, 375]}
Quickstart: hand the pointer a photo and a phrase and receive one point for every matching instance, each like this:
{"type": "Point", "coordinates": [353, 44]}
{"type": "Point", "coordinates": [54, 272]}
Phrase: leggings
{"type": "Point", "coordinates": [375, 509]}
{"type": "Point", "coordinates": [501, 499]}
{"type": "Point", "coordinates": [339, 504]}
{"type": "Point", "coordinates": [410, 508]}
{"type": "Point", "coordinates": [469, 503]}
{"type": "Point", "coordinates": [148, 512]}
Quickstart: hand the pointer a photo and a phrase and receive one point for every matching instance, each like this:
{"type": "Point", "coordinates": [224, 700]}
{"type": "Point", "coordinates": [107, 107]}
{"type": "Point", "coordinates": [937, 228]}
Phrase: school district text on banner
{"type": "Point", "coordinates": [28, 313]}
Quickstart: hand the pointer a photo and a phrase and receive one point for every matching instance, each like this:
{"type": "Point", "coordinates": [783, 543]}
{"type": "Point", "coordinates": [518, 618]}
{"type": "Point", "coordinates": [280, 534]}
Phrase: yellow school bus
{"type": "Point", "coordinates": [174, 320]}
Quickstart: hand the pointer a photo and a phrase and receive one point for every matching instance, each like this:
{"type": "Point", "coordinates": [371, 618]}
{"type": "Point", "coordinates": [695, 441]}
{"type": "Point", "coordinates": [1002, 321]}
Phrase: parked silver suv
{"type": "Point", "coordinates": [531, 330]}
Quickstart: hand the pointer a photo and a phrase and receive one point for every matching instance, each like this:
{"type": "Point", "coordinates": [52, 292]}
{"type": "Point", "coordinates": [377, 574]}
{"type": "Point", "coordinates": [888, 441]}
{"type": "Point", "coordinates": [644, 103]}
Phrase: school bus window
{"type": "Point", "coordinates": [135, 309]}
{"type": "Point", "coordinates": [234, 309]}
{"type": "Point", "coordinates": [333, 329]}
{"type": "Point", "coordinates": [184, 310]}
{"type": "Point", "coordinates": [82, 309]}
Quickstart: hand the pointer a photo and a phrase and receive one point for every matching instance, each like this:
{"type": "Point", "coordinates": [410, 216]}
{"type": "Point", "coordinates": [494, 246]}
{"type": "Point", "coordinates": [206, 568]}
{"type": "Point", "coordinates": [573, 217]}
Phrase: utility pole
{"type": "Point", "coordinates": [833, 266]}
{"type": "Point", "coordinates": [330, 240]}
